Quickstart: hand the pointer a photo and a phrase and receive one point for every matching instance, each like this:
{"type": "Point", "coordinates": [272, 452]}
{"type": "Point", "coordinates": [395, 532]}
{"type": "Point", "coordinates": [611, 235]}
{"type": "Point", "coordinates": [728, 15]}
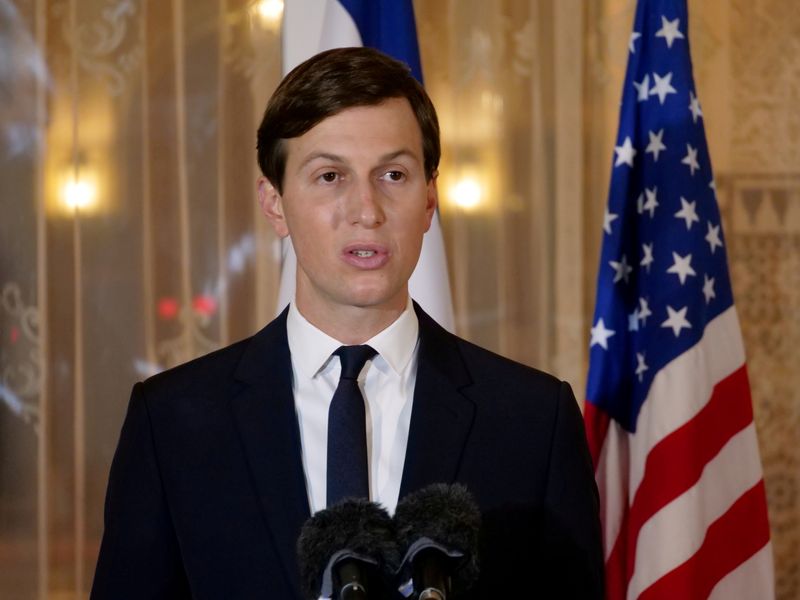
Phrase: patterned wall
{"type": "Point", "coordinates": [760, 192]}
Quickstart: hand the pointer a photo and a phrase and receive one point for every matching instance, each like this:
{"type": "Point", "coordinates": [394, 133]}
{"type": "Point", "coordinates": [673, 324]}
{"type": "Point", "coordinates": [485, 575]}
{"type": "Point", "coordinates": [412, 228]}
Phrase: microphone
{"type": "Point", "coordinates": [346, 551]}
{"type": "Point", "coordinates": [438, 528]}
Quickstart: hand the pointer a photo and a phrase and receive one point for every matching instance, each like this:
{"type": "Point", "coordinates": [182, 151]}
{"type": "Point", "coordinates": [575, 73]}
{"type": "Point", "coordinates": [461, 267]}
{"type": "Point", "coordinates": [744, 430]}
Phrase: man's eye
{"type": "Point", "coordinates": [394, 175]}
{"type": "Point", "coordinates": [329, 177]}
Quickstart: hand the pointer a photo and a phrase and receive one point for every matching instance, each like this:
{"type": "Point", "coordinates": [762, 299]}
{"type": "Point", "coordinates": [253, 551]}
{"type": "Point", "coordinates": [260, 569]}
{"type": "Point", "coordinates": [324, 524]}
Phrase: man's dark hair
{"type": "Point", "coordinates": [331, 82]}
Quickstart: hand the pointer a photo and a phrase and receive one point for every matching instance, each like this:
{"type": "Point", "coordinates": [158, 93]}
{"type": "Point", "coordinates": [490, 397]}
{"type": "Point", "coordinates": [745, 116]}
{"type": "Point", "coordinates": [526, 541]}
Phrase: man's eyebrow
{"type": "Point", "coordinates": [335, 158]}
{"type": "Point", "coordinates": [324, 155]}
{"type": "Point", "coordinates": [396, 154]}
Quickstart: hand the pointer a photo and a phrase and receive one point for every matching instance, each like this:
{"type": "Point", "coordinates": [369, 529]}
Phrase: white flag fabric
{"type": "Point", "coordinates": [311, 26]}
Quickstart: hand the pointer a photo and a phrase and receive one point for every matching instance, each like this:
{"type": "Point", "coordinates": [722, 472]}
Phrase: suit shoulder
{"type": "Point", "coordinates": [470, 364]}
{"type": "Point", "coordinates": [219, 374]}
{"type": "Point", "coordinates": [200, 373]}
{"type": "Point", "coordinates": [487, 366]}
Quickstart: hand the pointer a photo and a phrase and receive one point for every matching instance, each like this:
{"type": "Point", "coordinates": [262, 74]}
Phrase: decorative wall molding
{"type": "Point", "coordinates": [189, 343]}
{"type": "Point", "coordinates": [20, 366]}
{"type": "Point", "coordinates": [108, 46]}
{"type": "Point", "coordinates": [762, 218]}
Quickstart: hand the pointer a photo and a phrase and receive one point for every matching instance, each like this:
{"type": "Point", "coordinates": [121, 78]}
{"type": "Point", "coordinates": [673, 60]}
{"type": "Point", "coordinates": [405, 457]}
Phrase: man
{"type": "Point", "coordinates": [221, 460]}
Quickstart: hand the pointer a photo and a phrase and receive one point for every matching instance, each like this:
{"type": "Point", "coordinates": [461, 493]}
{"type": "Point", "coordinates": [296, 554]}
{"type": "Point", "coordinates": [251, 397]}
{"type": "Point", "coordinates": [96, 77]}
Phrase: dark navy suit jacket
{"type": "Point", "coordinates": [206, 495]}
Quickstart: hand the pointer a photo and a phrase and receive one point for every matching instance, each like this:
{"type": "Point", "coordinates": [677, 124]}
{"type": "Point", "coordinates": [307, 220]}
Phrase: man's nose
{"type": "Point", "coordinates": [364, 205]}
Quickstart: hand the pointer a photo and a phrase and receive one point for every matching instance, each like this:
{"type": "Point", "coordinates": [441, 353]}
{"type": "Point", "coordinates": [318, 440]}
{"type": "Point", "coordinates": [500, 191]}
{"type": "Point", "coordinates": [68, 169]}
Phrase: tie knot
{"type": "Point", "coordinates": [353, 359]}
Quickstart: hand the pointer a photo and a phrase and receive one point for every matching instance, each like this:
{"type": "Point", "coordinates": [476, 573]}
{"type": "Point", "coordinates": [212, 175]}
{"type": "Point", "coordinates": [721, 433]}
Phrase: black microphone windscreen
{"type": "Point", "coordinates": [447, 515]}
{"type": "Point", "coordinates": [356, 525]}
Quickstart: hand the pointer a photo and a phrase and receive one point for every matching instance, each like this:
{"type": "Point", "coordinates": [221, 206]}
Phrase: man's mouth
{"type": "Point", "coordinates": [363, 253]}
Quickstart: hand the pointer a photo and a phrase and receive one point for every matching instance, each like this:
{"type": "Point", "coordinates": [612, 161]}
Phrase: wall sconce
{"type": "Point", "coordinates": [78, 193]}
{"type": "Point", "coordinates": [466, 193]}
{"type": "Point", "coordinates": [269, 11]}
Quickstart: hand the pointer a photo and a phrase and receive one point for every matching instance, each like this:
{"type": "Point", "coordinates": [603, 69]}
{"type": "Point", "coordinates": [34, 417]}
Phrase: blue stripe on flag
{"type": "Point", "coordinates": [389, 26]}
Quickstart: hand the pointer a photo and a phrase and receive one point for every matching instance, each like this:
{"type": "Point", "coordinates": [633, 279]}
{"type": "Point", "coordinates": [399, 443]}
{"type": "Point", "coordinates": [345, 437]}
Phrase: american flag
{"type": "Point", "coordinates": [668, 412]}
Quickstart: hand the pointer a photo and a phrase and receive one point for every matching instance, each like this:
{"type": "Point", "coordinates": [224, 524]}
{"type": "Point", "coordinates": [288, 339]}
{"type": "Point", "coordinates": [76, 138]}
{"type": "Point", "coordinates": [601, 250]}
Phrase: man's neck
{"type": "Point", "coordinates": [351, 324]}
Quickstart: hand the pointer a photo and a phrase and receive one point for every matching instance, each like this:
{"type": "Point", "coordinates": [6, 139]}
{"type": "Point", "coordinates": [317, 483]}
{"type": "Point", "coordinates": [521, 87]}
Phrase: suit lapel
{"type": "Point", "coordinates": [265, 415]}
{"type": "Point", "coordinates": [442, 416]}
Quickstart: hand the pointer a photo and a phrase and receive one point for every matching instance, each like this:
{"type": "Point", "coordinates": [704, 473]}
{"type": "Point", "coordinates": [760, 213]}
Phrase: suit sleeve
{"type": "Point", "coordinates": [139, 554]}
{"type": "Point", "coordinates": [572, 543]}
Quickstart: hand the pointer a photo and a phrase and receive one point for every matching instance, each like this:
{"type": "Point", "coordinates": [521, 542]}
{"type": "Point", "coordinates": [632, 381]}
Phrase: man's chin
{"type": "Point", "coordinates": [377, 299]}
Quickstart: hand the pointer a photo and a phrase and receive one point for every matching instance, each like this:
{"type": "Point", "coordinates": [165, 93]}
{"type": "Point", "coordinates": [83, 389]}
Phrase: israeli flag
{"type": "Point", "coordinates": [311, 26]}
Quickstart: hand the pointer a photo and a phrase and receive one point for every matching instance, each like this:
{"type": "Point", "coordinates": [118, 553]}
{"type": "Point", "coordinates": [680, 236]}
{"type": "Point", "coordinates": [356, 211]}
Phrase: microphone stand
{"type": "Point", "coordinates": [429, 570]}
{"type": "Point", "coordinates": [351, 574]}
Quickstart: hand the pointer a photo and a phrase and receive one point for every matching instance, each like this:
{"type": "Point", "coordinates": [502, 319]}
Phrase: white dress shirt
{"type": "Point", "coordinates": [387, 384]}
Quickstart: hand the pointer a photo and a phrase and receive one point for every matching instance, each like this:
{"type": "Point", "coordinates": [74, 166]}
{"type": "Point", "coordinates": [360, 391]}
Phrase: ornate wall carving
{"type": "Point", "coordinates": [20, 366]}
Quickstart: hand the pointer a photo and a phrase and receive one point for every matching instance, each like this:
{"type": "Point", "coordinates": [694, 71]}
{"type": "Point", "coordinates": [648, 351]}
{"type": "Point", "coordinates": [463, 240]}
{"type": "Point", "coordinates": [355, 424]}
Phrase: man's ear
{"type": "Point", "coordinates": [431, 199]}
{"type": "Point", "coordinates": [271, 203]}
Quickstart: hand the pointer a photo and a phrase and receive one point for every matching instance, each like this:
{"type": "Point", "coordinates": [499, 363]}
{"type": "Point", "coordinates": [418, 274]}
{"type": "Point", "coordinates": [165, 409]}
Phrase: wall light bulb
{"type": "Point", "coordinates": [79, 194]}
{"type": "Point", "coordinates": [270, 10]}
{"type": "Point", "coordinates": [467, 193]}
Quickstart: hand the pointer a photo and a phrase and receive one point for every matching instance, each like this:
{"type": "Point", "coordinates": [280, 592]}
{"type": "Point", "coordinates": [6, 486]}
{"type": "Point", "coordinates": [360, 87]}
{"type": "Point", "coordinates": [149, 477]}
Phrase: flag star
{"type": "Point", "coordinates": [656, 144]}
{"type": "Point", "coordinates": [708, 288]}
{"type": "Point", "coordinates": [691, 158]}
{"type": "Point", "coordinates": [633, 320]}
{"type": "Point", "coordinates": [635, 35]}
{"type": "Point", "coordinates": [644, 311]}
{"type": "Point", "coordinates": [712, 237]}
{"type": "Point", "coordinates": [608, 218]}
{"type": "Point", "coordinates": [676, 320]}
{"type": "Point", "coordinates": [640, 203]}
{"type": "Point", "coordinates": [625, 153]}
{"type": "Point", "coordinates": [688, 212]}
{"type": "Point", "coordinates": [642, 89]}
{"type": "Point", "coordinates": [682, 267]}
{"type": "Point", "coordinates": [713, 185]}
{"type": "Point", "coordinates": [651, 202]}
{"type": "Point", "coordinates": [622, 268]}
{"type": "Point", "coordinates": [662, 87]}
{"type": "Point", "coordinates": [647, 260]}
{"type": "Point", "coordinates": [669, 31]}
{"type": "Point", "coordinates": [694, 106]}
{"type": "Point", "coordinates": [600, 335]}
{"type": "Point", "coordinates": [641, 366]}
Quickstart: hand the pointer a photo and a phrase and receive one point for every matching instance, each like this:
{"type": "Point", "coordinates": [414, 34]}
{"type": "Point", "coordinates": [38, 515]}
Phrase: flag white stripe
{"type": "Point", "coordinates": [683, 387]}
{"type": "Point", "coordinates": [309, 27]}
{"type": "Point", "coordinates": [338, 28]}
{"type": "Point", "coordinates": [304, 23]}
{"type": "Point", "coordinates": [691, 377]}
{"type": "Point", "coordinates": [429, 284]}
{"type": "Point", "coordinates": [676, 532]}
{"type": "Point", "coordinates": [752, 579]}
{"type": "Point", "coordinates": [612, 483]}
{"type": "Point", "coordinates": [288, 275]}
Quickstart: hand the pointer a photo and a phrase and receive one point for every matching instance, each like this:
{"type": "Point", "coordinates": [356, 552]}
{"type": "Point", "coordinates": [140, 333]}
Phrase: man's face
{"type": "Point", "coordinates": [356, 204]}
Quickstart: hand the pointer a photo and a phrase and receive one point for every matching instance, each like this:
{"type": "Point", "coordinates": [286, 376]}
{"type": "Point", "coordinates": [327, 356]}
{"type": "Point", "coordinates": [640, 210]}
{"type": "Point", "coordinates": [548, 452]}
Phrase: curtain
{"type": "Point", "coordinates": [130, 241]}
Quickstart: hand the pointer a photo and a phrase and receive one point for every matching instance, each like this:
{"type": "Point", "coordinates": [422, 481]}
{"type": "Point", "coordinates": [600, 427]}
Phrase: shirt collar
{"type": "Point", "coordinates": [311, 348]}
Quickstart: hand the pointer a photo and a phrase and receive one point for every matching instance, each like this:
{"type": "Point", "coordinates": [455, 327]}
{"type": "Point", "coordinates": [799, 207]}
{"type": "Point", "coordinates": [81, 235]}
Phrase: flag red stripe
{"type": "Point", "coordinates": [676, 463]}
{"type": "Point", "coordinates": [597, 421]}
{"type": "Point", "coordinates": [733, 538]}
{"type": "Point", "coordinates": [616, 573]}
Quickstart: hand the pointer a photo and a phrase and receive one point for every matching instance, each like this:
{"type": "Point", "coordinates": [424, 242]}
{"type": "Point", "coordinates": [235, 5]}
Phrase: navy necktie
{"type": "Point", "coordinates": [348, 469]}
